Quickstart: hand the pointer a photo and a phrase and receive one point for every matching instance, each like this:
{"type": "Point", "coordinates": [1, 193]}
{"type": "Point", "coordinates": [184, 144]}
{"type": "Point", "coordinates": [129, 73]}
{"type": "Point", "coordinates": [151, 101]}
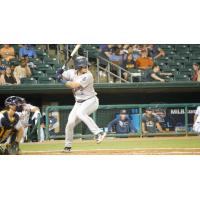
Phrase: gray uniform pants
{"type": "Point", "coordinates": [81, 112]}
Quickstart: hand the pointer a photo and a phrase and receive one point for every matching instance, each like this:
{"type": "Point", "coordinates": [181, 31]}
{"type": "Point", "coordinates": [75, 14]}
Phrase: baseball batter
{"type": "Point", "coordinates": [196, 126]}
{"type": "Point", "coordinates": [81, 81]}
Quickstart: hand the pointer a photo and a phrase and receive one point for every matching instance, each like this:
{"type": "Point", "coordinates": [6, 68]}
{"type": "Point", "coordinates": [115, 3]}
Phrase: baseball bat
{"type": "Point", "coordinates": [76, 48]}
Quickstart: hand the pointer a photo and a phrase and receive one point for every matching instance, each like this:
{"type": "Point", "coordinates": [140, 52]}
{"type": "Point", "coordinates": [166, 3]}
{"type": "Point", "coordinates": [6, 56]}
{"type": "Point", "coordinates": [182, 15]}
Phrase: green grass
{"type": "Point", "coordinates": [132, 143]}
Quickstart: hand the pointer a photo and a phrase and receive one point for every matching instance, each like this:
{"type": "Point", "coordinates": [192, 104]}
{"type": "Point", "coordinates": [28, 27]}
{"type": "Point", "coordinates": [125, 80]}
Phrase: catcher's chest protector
{"type": "Point", "coordinates": [7, 126]}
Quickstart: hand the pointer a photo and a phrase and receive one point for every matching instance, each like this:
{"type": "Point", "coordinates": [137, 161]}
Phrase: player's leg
{"type": "Point", "coordinates": [24, 135]}
{"type": "Point", "coordinates": [87, 108]}
{"type": "Point", "coordinates": [73, 120]}
{"type": "Point", "coordinates": [196, 127]}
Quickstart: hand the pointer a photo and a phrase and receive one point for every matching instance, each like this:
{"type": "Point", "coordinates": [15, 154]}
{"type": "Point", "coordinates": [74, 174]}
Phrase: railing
{"type": "Point", "coordinates": [108, 70]}
{"type": "Point", "coordinates": [108, 112]}
{"type": "Point", "coordinates": [110, 74]}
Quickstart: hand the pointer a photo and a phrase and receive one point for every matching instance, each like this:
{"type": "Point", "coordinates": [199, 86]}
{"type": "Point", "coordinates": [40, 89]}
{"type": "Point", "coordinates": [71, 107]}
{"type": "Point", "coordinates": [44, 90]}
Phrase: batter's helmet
{"type": "Point", "coordinates": [80, 61]}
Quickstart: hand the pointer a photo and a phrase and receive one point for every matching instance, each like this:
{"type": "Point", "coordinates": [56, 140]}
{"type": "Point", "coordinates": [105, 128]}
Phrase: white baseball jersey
{"type": "Point", "coordinates": [25, 114]}
{"type": "Point", "coordinates": [86, 91]}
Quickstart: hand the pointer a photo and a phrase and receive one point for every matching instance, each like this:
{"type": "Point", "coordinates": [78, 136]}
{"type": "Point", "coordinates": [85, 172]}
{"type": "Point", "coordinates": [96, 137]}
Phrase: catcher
{"type": "Point", "coordinates": [10, 126]}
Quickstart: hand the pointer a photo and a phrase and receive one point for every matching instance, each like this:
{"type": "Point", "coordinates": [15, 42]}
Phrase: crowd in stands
{"type": "Point", "coordinates": [126, 62]}
{"type": "Point", "coordinates": [15, 65]}
{"type": "Point", "coordinates": [134, 58]}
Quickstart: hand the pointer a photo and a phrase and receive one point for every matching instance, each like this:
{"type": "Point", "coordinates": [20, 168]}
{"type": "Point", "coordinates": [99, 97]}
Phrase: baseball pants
{"type": "Point", "coordinates": [81, 112]}
{"type": "Point", "coordinates": [196, 127]}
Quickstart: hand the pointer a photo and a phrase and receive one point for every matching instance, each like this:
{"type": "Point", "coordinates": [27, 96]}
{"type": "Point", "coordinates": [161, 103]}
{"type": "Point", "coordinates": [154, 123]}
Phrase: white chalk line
{"type": "Point", "coordinates": [176, 150]}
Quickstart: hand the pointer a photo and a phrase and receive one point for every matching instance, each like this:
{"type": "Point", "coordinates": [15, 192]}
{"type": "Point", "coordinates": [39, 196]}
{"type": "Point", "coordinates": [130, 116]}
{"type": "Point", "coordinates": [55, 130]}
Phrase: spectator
{"type": "Point", "coordinates": [136, 52]}
{"type": "Point", "coordinates": [8, 78]}
{"type": "Point", "coordinates": [2, 70]}
{"type": "Point", "coordinates": [144, 62]}
{"type": "Point", "coordinates": [196, 76]}
{"type": "Point", "coordinates": [104, 50]}
{"type": "Point", "coordinates": [150, 122]}
{"type": "Point", "coordinates": [154, 74]}
{"type": "Point", "coordinates": [27, 51]}
{"type": "Point", "coordinates": [154, 51]}
{"type": "Point", "coordinates": [128, 61]}
{"type": "Point", "coordinates": [7, 52]}
{"type": "Point", "coordinates": [122, 124]}
{"type": "Point", "coordinates": [116, 58]}
{"type": "Point", "coordinates": [23, 70]}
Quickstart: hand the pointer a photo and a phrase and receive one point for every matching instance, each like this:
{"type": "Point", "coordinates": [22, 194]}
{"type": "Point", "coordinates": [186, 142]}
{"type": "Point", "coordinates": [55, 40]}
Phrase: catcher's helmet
{"type": "Point", "coordinates": [14, 100]}
{"type": "Point", "coordinates": [80, 61]}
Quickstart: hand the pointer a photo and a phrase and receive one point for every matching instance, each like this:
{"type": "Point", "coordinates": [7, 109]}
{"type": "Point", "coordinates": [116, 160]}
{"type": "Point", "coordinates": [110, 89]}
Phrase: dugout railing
{"type": "Point", "coordinates": [179, 119]}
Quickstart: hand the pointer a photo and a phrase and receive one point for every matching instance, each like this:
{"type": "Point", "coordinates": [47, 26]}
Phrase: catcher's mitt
{"type": "Point", "coordinates": [12, 149]}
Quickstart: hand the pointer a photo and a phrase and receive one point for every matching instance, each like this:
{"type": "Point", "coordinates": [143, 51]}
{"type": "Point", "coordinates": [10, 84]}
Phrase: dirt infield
{"type": "Point", "coordinates": [178, 151]}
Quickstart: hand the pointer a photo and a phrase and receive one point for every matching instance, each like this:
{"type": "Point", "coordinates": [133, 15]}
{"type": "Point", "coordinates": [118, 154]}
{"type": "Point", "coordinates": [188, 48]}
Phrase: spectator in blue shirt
{"type": "Point", "coordinates": [122, 124]}
{"type": "Point", "coordinates": [27, 51]}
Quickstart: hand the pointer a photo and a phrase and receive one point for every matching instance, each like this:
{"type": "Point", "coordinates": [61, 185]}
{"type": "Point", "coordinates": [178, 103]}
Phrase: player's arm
{"type": "Point", "coordinates": [35, 109]}
{"type": "Point", "coordinates": [159, 127]}
{"type": "Point", "coordinates": [143, 128]}
{"type": "Point", "coordinates": [72, 84]}
{"type": "Point", "coordinates": [111, 124]}
{"type": "Point", "coordinates": [84, 82]}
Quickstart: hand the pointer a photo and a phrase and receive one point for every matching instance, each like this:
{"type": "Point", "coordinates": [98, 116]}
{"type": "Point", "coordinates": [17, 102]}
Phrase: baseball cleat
{"type": "Point", "coordinates": [100, 137]}
{"type": "Point", "coordinates": [67, 149]}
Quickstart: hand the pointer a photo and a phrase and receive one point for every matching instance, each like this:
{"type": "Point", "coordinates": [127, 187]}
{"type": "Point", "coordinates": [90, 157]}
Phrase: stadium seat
{"type": "Point", "coordinates": [186, 71]}
{"type": "Point", "coordinates": [170, 70]}
{"type": "Point", "coordinates": [182, 77]}
{"type": "Point", "coordinates": [180, 59]}
{"type": "Point", "coordinates": [40, 54]}
{"type": "Point", "coordinates": [194, 48]}
{"type": "Point", "coordinates": [182, 49]}
{"type": "Point", "coordinates": [36, 61]}
{"type": "Point", "coordinates": [50, 61]}
{"type": "Point", "coordinates": [37, 74]}
{"type": "Point", "coordinates": [57, 66]}
{"type": "Point", "coordinates": [46, 80]}
{"type": "Point", "coordinates": [44, 67]}
{"type": "Point", "coordinates": [29, 81]}
{"type": "Point", "coordinates": [51, 73]}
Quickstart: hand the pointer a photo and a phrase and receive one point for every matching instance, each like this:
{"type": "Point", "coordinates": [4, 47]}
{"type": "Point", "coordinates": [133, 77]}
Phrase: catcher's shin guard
{"type": "Point", "coordinates": [12, 149]}
{"type": "Point", "coordinates": [2, 151]}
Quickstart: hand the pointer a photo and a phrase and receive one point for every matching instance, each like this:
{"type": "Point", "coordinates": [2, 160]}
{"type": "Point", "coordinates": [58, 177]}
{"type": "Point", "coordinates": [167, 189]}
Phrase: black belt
{"type": "Point", "coordinates": [81, 101]}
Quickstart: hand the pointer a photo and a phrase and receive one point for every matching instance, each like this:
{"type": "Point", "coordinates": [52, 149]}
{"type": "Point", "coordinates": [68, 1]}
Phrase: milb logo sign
{"type": "Point", "coordinates": [181, 111]}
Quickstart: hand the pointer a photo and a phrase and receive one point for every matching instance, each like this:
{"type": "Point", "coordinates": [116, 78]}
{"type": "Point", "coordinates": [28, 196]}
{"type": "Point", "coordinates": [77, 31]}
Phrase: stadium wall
{"type": "Point", "coordinates": [137, 93]}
